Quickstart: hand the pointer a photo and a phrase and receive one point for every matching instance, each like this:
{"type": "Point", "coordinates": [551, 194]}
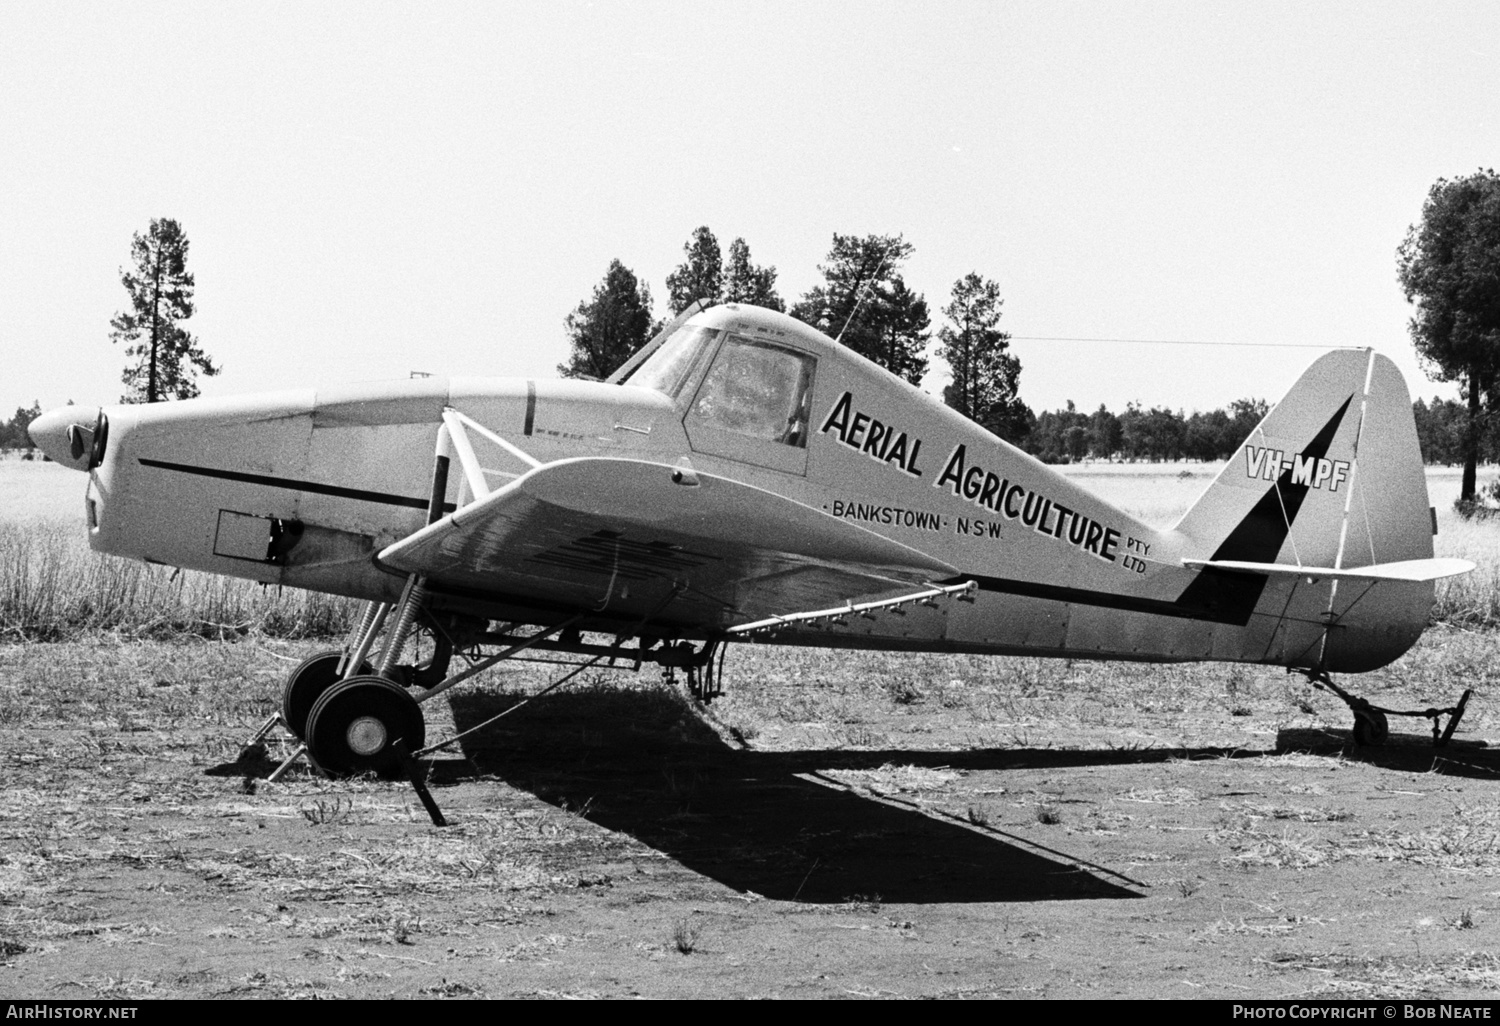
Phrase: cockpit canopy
{"type": "Point", "coordinates": [730, 383]}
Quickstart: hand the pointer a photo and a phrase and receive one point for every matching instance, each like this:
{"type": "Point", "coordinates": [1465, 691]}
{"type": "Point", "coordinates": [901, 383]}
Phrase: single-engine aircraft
{"type": "Point", "coordinates": [746, 478]}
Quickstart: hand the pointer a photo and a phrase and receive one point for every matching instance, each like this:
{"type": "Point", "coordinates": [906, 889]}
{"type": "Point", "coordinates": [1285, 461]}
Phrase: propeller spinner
{"type": "Point", "coordinates": [74, 436]}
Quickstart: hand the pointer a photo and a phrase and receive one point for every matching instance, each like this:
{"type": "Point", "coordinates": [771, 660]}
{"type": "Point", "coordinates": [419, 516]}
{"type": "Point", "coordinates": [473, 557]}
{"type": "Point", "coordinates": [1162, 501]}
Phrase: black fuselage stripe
{"type": "Point", "coordinates": [317, 487]}
{"type": "Point", "coordinates": [1234, 613]}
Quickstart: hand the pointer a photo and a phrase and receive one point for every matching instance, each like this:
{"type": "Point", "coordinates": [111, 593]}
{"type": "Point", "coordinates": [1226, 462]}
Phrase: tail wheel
{"type": "Point", "coordinates": [354, 725]}
{"type": "Point", "coordinates": [1370, 728]}
{"type": "Point", "coordinates": [306, 685]}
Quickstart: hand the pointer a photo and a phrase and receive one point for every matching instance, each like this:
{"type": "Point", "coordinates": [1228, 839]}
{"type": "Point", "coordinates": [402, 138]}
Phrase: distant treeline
{"type": "Point", "coordinates": [1159, 434]}
{"type": "Point", "coordinates": [13, 432]}
{"type": "Point", "coordinates": [1154, 435]}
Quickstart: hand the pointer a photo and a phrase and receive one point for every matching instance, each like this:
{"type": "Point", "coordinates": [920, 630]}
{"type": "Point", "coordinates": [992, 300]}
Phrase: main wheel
{"type": "Point", "coordinates": [353, 726]}
{"type": "Point", "coordinates": [1370, 728]}
{"type": "Point", "coordinates": [306, 685]}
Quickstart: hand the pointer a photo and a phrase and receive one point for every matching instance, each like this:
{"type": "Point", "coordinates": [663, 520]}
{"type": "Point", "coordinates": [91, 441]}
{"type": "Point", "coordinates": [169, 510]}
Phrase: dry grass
{"type": "Point", "coordinates": [52, 586]}
{"type": "Point", "coordinates": [1394, 976]}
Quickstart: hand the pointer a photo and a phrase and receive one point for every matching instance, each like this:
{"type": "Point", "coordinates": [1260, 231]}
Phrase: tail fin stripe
{"type": "Point", "coordinates": [1258, 537]}
{"type": "Point", "coordinates": [1359, 436]}
{"type": "Point", "coordinates": [1338, 558]}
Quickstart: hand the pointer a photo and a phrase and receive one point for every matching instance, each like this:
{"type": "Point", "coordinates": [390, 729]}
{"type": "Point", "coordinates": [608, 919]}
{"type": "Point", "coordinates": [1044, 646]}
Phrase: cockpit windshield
{"type": "Point", "coordinates": [758, 390]}
{"type": "Point", "coordinates": [669, 368]}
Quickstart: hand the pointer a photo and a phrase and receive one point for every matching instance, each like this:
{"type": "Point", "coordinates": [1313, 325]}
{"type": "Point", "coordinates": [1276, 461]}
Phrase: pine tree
{"type": "Point", "coordinates": [701, 276]}
{"type": "Point", "coordinates": [704, 275]}
{"type": "Point", "coordinates": [605, 330]}
{"type": "Point", "coordinates": [167, 358]}
{"type": "Point", "coordinates": [746, 283]}
{"type": "Point", "coordinates": [986, 375]}
{"type": "Point", "coordinates": [865, 304]}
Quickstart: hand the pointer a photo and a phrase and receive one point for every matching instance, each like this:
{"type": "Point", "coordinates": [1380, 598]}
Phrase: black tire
{"type": "Point", "coordinates": [305, 685]}
{"type": "Point", "coordinates": [1370, 728]}
{"type": "Point", "coordinates": [354, 724]}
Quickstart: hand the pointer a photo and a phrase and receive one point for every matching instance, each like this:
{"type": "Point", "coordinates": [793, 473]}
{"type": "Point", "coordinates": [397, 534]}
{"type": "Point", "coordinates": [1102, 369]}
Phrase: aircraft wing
{"type": "Point", "coordinates": [622, 536]}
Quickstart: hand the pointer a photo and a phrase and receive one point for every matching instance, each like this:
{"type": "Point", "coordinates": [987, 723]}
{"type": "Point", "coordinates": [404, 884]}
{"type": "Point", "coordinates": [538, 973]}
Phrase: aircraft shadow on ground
{"type": "Point", "coordinates": [639, 763]}
{"type": "Point", "coordinates": [1406, 750]}
{"type": "Point", "coordinates": [773, 823]}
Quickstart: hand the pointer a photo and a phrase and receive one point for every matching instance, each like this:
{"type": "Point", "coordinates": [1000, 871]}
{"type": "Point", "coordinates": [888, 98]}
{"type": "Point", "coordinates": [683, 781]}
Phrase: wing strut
{"type": "Point", "coordinates": [453, 438]}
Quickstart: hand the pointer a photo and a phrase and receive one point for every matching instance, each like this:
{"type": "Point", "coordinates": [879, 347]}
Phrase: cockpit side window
{"type": "Point", "coordinates": [757, 390]}
{"type": "Point", "coordinates": [671, 366]}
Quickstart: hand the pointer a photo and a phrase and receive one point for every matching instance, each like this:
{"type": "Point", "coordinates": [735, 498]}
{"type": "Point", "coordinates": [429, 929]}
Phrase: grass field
{"type": "Point", "coordinates": [52, 586]}
{"type": "Point", "coordinates": [836, 825]}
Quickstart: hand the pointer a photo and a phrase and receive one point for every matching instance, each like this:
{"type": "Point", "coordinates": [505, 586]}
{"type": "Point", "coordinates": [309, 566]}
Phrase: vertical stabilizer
{"type": "Point", "coordinates": [1332, 477]}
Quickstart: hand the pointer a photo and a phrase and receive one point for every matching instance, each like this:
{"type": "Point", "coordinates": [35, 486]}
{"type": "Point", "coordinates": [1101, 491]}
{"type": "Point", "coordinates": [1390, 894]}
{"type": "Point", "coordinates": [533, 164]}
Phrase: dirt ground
{"type": "Point", "coordinates": [839, 826]}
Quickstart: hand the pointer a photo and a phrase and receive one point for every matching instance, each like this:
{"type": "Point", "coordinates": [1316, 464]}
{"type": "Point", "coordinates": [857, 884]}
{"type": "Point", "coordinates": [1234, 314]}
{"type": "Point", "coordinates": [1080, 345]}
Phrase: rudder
{"type": "Point", "coordinates": [1332, 477]}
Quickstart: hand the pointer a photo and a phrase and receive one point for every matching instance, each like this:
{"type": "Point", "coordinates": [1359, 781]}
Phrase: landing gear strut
{"type": "Point", "coordinates": [1371, 728]}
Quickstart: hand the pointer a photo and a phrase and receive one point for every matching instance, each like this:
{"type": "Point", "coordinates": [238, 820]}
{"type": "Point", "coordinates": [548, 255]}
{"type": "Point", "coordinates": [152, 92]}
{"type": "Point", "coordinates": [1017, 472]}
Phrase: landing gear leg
{"type": "Point", "coordinates": [349, 720]}
{"type": "Point", "coordinates": [1371, 726]}
{"type": "Point", "coordinates": [355, 732]}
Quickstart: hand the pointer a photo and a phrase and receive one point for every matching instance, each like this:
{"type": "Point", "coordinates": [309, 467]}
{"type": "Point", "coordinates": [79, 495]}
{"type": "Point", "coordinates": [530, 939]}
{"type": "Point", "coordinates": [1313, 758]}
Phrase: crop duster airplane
{"type": "Point", "coordinates": [746, 478]}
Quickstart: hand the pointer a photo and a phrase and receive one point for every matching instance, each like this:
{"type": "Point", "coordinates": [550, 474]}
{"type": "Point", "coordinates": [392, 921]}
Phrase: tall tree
{"type": "Point", "coordinates": [605, 330]}
{"type": "Point", "coordinates": [167, 359]}
{"type": "Point", "coordinates": [900, 330]}
{"type": "Point", "coordinates": [986, 374]}
{"type": "Point", "coordinates": [744, 282]}
{"type": "Point", "coordinates": [700, 276]}
{"type": "Point", "coordinates": [864, 303]}
{"type": "Point", "coordinates": [1449, 266]}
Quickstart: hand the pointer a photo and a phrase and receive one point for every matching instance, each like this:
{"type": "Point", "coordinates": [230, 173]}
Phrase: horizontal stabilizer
{"type": "Point", "coordinates": [1405, 570]}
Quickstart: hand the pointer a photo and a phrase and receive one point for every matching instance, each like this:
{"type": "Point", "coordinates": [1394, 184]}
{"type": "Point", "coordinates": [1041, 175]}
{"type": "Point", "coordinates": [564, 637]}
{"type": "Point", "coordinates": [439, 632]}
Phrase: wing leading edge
{"type": "Point", "coordinates": [637, 538]}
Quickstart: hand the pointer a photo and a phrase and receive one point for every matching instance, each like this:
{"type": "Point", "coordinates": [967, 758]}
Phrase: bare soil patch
{"type": "Point", "coordinates": [840, 825]}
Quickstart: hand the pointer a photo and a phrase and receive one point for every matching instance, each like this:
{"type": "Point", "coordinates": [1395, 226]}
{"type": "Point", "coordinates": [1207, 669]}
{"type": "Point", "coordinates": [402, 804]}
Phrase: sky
{"type": "Point", "coordinates": [374, 189]}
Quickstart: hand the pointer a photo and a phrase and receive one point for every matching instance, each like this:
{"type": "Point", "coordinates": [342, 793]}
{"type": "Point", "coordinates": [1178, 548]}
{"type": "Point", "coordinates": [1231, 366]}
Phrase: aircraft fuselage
{"type": "Point", "coordinates": [303, 488]}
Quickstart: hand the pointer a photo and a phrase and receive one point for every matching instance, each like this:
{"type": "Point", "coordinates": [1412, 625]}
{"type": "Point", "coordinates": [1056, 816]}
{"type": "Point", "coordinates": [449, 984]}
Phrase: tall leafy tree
{"type": "Point", "coordinates": [1449, 267]}
{"type": "Point", "coordinates": [606, 329]}
{"type": "Point", "coordinates": [700, 276]}
{"type": "Point", "coordinates": [166, 357]}
{"type": "Point", "coordinates": [744, 282]}
{"type": "Point", "coordinates": [865, 304]}
{"type": "Point", "coordinates": [986, 374]}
